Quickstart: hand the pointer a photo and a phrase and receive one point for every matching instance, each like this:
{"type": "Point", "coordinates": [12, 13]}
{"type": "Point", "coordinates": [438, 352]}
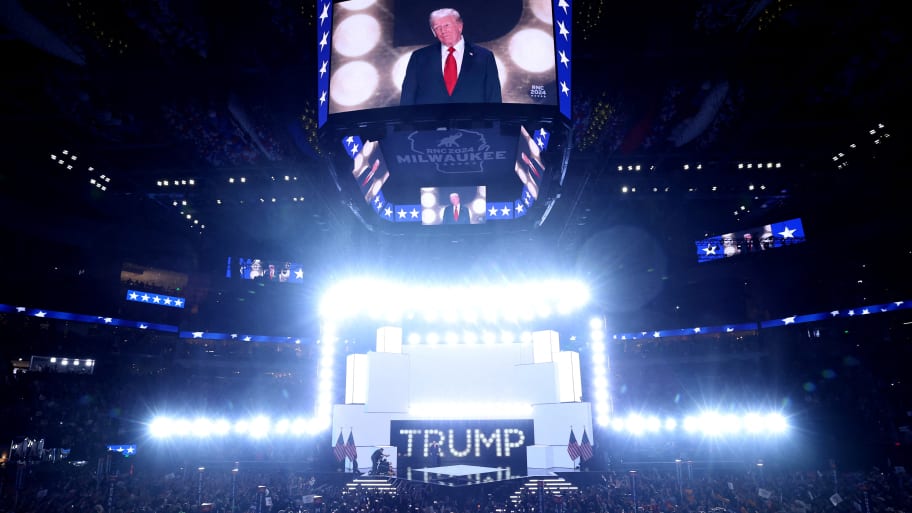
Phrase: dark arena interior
{"type": "Point", "coordinates": [641, 257]}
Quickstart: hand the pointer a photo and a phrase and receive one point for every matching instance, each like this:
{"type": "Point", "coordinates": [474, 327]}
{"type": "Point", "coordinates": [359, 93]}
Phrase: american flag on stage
{"type": "Point", "coordinates": [339, 449]}
{"type": "Point", "coordinates": [585, 449]}
{"type": "Point", "coordinates": [350, 450]}
{"type": "Point", "coordinates": [573, 448]}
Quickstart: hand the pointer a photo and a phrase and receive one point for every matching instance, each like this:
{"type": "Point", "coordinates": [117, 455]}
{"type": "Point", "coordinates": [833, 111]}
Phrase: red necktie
{"type": "Point", "coordinates": [455, 210]}
{"type": "Point", "coordinates": [449, 71]}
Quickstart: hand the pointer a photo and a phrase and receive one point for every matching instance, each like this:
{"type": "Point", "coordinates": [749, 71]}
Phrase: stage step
{"type": "Point", "coordinates": [383, 484]}
{"type": "Point", "coordinates": [551, 485]}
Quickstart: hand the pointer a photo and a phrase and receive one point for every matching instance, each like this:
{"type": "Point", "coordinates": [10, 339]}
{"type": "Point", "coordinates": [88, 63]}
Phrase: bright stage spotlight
{"type": "Point", "coordinates": [671, 424]}
{"type": "Point", "coordinates": [161, 427]}
{"type": "Point", "coordinates": [776, 423]}
{"type": "Point", "coordinates": [259, 427]}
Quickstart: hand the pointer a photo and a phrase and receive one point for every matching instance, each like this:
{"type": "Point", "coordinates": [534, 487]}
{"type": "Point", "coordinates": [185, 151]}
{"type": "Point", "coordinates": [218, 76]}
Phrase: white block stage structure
{"type": "Point", "coordinates": [489, 405]}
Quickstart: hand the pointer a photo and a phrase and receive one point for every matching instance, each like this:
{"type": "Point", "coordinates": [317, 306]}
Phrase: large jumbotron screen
{"type": "Point", "coordinates": [375, 54]}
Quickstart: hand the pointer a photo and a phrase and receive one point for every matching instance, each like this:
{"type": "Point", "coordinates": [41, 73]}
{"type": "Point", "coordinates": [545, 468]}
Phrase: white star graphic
{"type": "Point", "coordinates": [197, 334]}
{"type": "Point", "coordinates": [563, 30]}
{"type": "Point", "coordinates": [40, 313]}
{"type": "Point", "coordinates": [834, 313]}
{"type": "Point", "coordinates": [414, 213]}
{"type": "Point", "coordinates": [234, 335]}
{"type": "Point", "coordinates": [377, 201]}
{"type": "Point", "coordinates": [108, 320]}
{"type": "Point", "coordinates": [898, 303]}
{"type": "Point", "coordinates": [851, 313]}
{"type": "Point", "coordinates": [563, 5]}
{"type": "Point", "coordinates": [789, 320]}
{"type": "Point", "coordinates": [388, 212]}
{"type": "Point", "coordinates": [323, 97]}
{"type": "Point", "coordinates": [564, 88]}
{"type": "Point", "coordinates": [324, 40]}
{"type": "Point", "coordinates": [349, 140]}
{"type": "Point", "coordinates": [143, 326]}
{"type": "Point", "coordinates": [520, 208]}
{"type": "Point", "coordinates": [145, 297]}
{"type": "Point", "coordinates": [178, 302]}
{"type": "Point", "coordinates": [540, 143]}
{"type": "Point", "coordinates": [131, 450]}
{"type": "Point", "coordinates": [542, 132]}
{"type": "Point", "coordinates": [563, 58]}
{"type": "Point", "coordinates": [156, 300]}
{"type": "Point", "coordinates": [247, 338]}
{"type": "Point", "coordinates": [120, 449]}
{"type": "Point", "coordinates": [709, 250]}
{"type": "Point", "coordinates": [882, 310]}
{"type": "Point", "coordinates": [299, 274]}
{"type": "Point", "coordinates": [324, 13]}
{"type": "Point", "coordinates": [865, 311]}
{"type": "Point", "coordinates": [655, 334]}
{"type": "Point", "coordinates": [401, 213]}
{"type": "Point", "coordinates": [354, 149]}
{"type": "Point", "coordinates": [168, 301]}
{"type": "Point", "coordinates": [787, 233]}
{"type": "Point", "coordinates": [729, 330]}
{"type": "Point", "coordinates": [697, 330]}
{"type": "Point", "coordinates": [20, 309]}
{"type": "Point", "coordinates": [323, 67]}
{"type": "Point", "coordinates": [133, 296]}
{"type": "Point", "coordinates": [505, 211]}
{"type": "Point", "coordinates": [492, 211]}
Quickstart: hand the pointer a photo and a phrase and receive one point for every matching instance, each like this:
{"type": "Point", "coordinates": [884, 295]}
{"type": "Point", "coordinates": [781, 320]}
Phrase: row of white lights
{"type": "Point", "coordinates": [715, 188]}
{"type": "Point", "coordinates": [176, 183]}
{"type": "Point", "coordinates": [263, 200]}
{"type": "Point", "coordinates": [709, 424]}
{"type": "Point", "coordinates": [254, 427]}
{"type": "Point", "coordinates": [76, 362]}
{"type": "Point", "coordinates": [699, 167]}
{"type": "Point", "coordinates": [356, 298]}
{"type": "Point", "coordinates": [488, 337]}
{"type": "Point", "coordinates": [706, 424]}
{"type": "Point", "coordinates": [67, 160]}
{"type": "Point", "coordinates": [601, 395]}
{"type": "Point", "coordinates": [187, 216]}
{"type": "Point", "coordinates": [243, 179]}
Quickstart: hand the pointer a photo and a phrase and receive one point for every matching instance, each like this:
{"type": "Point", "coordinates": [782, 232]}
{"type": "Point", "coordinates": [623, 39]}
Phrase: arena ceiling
{"type": "Point", "coordinates": [149, 91]}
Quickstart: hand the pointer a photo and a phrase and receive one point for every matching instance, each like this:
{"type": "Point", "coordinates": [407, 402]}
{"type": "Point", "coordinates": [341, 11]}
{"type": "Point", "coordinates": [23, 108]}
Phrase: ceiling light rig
{"type": "Point", "coordinates": [68, 160]}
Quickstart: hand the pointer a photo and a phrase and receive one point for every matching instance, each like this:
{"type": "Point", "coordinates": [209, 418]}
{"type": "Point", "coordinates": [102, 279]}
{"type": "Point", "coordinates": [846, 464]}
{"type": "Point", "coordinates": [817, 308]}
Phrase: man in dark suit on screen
{"type": "Point", "coordinates": [455, 213]}
{"type": "Point", "coordinates": [451, 71]}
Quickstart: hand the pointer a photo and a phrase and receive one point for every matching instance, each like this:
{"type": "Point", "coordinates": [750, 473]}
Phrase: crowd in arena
{"type": "Point", "coordinates": [281, 490]}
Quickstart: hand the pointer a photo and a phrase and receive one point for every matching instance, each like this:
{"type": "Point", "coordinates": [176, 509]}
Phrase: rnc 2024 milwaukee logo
{"type": "Point", "coordinates": [451, 151]}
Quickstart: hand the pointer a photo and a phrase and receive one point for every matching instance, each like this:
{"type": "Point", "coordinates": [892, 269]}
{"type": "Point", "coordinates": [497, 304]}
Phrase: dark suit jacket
{"type": "Point", "coordinates": [464, 215]}
{"type": "Point", "coordinates": [478, 79]}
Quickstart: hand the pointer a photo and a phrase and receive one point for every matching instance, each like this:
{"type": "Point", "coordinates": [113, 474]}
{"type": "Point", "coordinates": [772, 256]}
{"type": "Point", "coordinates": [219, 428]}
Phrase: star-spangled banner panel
{"type": "Point", "coordinates": [527, 198]}
{"type": "Point", "coordinates": [238, 337]}
{"type": "Point", "coordinates": [499, 210]}
{"type": "Point", "coordinates": [352, 145]}
{"type": "Point", "coordinates": [541, 137]}
{"type": "Point", "coordinates": [709, 249]}
{"type": "Point", "coordinates": [787, 233]}
{"type": "Point", "coordinates": [519, 208]}
{"type": "Point", "coordinates": [324, 26]}
{"type": "Point", "coordinates": [847, 313]}
{"type": "Point", "coordinates": [408, 213]}
{"type": "Point", "coordinates": [155, 299]}
{"type": "Point", "coordinates": [125, 449]}
{"type": "Point", "coordinates": [562, 36]}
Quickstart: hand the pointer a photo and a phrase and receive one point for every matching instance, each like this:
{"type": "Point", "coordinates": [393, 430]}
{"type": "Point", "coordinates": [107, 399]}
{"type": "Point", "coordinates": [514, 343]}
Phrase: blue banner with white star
{"type": "Point", "coordinates": [408, 213]}
{"type": "Point", "coordinates": [562, 28]}
{"type": "Point", "coordinates": [750, 240]}
{"type": "Point", "coordinates": [324, 30]}
{"type": "Point", "coordinates": [155, 299]}
{"type": "Point", "coordinates": [499, 210]}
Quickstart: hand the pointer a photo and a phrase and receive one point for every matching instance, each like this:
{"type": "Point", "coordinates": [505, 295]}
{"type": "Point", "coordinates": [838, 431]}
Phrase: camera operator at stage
{"type": "Point", "coordinates": [376, 458]}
